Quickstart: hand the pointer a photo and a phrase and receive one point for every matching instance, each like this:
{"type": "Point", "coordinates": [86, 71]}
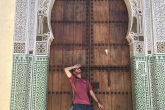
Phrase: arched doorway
{"type": "Point", "coordinates": [91, 33]}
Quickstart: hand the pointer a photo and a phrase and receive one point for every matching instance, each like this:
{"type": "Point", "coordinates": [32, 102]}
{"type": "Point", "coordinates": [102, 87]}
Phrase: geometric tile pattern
{"type": "Point", "coordinates": [160, 47]}
{"type": "Point", "coordinates": [19, 47]}
{"type": "Point", "coordinates": [151, 90]}
{"type": "Point", "coordinates": [43, 5]}
{"type": "Point", "coordinates": [139, 82]}
{"type": "Point", "coordinates": [148, 82]}
{"type": "Point", "coordinates": [22, 66]}
{"type": "Point", "coordinates": [139, 48]}
{"type": "Point", "coordinates": [26, 25]}
{"type": "Point", "coordinates": [41, 48]}
{"type": "Point", "coordinates": [158, 17]}
{"type": "Point", "coordinates": [153, 83]}
{"type": "Point", "coordinates": [32, 24]}
{"type": "Point", "coordinates": [21, 18]}
{"type": "Point", "coordinates": [29, 82]}
{"type": "Point", "coordinates": [40, 83]}
{"type": "Point", "coordinates": [148, 30]}
{"type": "Point", "coordinates": [158, 76]}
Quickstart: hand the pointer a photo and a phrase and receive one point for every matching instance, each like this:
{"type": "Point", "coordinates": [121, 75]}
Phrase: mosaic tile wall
{"type": "Point", "coordinates": [140, 85]}
{"type": "Point", "coordinates": [29, 82]}
{"type": "Point", "coordinates": [32, 39]}
{"type": "Point", "coordinates": [148, 82]}
{"type": "Point", "coordinates": [22, 69]}
{"type": "Point", "coordinates": [158, 76]}
{"type": "Point", "coordinates": [40, 83]}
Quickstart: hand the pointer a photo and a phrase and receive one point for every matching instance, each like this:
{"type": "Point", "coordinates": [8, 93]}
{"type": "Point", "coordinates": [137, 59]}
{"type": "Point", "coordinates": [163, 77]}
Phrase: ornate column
{"type": "Point", "coordinates": [158, 76]}
{"type": "Point", "coordinates": [158, 58]}
{"type": "Point", "coordinates": [140, 39]}
{"type": "Point", "coordinates": [32, 38]}
{"type": "Point", "coordinates": [140, 82]}
{"type": "Point", "coordinates": [147, 45]}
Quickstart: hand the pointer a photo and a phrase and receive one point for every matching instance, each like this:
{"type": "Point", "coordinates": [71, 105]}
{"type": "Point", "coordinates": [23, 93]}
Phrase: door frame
{"type": "Point", "coordinates": [31, 47]}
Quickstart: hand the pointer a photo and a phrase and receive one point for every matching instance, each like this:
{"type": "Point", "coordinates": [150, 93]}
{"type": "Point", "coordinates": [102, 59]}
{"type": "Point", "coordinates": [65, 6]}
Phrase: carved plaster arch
{"type": "Point", "coordinates": [39, 20]}
{"type": "Point", "coordinates": [135, 25]}
{"type": "Point", "coordinates": [130, 13]}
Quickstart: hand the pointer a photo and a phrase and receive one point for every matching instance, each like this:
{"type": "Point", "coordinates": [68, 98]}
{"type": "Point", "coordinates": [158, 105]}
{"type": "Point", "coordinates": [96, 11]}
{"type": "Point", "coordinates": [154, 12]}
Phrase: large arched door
{"type": "Point", "coordinates": [92, 33]}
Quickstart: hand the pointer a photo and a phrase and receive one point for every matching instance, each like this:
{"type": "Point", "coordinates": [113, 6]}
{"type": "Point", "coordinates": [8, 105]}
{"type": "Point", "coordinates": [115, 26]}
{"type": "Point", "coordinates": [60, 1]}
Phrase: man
{"type": "Point", "coordinates": [81, 100]}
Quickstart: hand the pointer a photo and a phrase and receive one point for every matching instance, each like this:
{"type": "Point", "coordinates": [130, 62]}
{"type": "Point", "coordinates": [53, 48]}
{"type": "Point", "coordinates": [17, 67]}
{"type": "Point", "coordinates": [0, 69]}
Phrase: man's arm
{"type": "Point", "coordinates": [94, 97]}
{"type": "Point", "coordinates": [67, 69]}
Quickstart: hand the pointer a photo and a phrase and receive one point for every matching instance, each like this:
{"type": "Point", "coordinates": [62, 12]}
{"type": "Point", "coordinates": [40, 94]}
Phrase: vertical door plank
{"type": "Point", "coordinates": [56, 103]}
{"type": "Point", "coordinates": [79, 11]}
{"type": "Point", "coordinates": [100, 11]}
{"type": "Point", "coordinates": [68, 39]}
{"type": "Point", "coordinates": [115, 55]}
{"type": "Point", "coordinates": [68, 33]}
{"type": "Point", "coordinates": [79, 33]}
{"type": "Point", "coordinates": [125, 57]}
{"type": "Point", "coordinates": [57, 11]}
{"type": "Point", "coordinates": [68, 10]}
{"type": "Point", "coordinates": [79, 51]}
{"type": "Point", "coordinates": [101, 33]}
{"type": "Point", "coordinates": [58, 33]}
{"type": "Point", "coordinates": [100, 57]}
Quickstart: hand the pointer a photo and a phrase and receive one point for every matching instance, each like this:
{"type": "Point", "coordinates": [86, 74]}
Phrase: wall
{"type": "Point", "coordinates": [6, 44]}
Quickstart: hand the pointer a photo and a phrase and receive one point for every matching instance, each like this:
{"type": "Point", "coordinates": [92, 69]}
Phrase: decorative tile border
{"type": "Point", "coordinates": [148, 82]}
{"type": "Point", "coordinates": [22, 69]}
{"type": "Point", "coordinates": [139, 82]}
{"type": "Point", "coordinates": [161, 47]}
{"type": "Point", "coordinates": [19, 47]}
{"type": "Point", "coordinates": [29, 82]}
{"type": "Point", "coordinates": [40, 77]}
{"type": "Point", "coordinates": [158, 76]}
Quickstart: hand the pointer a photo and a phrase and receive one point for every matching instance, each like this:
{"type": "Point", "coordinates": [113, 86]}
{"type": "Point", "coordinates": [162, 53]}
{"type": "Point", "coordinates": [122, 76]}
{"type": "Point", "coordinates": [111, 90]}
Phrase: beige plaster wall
{"type": "Point", "coordinates": [7, 8]}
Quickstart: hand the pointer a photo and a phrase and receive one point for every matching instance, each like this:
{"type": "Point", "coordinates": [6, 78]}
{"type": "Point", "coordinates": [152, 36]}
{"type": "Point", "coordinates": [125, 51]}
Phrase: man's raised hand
{"type": "Point", "coordinates": [77, 66]}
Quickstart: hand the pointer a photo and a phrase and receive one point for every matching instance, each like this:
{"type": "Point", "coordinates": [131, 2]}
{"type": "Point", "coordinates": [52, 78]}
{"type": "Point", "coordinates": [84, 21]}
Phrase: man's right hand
{"type": "Point", "coordinates": [77, 66]}
{"type": "Point", "coordinates": [67, 69]}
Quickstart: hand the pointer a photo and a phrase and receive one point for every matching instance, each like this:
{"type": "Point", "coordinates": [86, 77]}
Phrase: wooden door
{"type": "Point", "coordinates": [92, 33]}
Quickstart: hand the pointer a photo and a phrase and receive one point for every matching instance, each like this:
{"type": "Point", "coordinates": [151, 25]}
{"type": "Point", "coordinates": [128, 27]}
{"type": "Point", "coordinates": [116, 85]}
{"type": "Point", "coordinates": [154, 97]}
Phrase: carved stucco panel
{"type": "Point", "coordinates": [20, 31]}
{"type": "Point", "coordinates": [44, 31]}
{"type": "Point", "coordinates": [32, 24]}
{"type": "Point", "coordinates": [159, 19]}
{"type": "Point", "coordinates": [148, 26]}
{"type": "Point", "coordinates": [159, 24]}
{"type": "Point", "coordinates": [21, 19]}
{"type": "Point", "coordinates": [136, 28]}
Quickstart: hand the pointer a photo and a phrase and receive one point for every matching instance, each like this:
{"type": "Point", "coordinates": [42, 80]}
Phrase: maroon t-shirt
{"type": "Point", "coordinates": [82, 86]}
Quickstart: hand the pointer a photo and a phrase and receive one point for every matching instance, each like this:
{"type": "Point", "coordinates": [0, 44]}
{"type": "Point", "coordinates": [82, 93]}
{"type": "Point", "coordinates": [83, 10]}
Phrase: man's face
{"type": "Point", "coordinates": [77, 71]}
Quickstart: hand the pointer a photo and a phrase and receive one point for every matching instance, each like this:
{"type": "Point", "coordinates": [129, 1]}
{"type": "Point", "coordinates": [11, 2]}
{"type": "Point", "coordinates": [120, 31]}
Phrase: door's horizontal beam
{"type": "Point", "coordinates": [54, 21]}
{"type": "Point", "coordinates": [96, 92]}
{"type": "Point", "coordinates": [93, 44]}
{"type": "Point", "coordinates": [90, 0]}
{"type": "Point", "coordinates": [100, 68]}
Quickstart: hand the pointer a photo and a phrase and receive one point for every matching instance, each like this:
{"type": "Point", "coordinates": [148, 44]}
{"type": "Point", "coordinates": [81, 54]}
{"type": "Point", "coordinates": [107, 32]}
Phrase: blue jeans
{"type": "Point", "coordinates": [82, 107]}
